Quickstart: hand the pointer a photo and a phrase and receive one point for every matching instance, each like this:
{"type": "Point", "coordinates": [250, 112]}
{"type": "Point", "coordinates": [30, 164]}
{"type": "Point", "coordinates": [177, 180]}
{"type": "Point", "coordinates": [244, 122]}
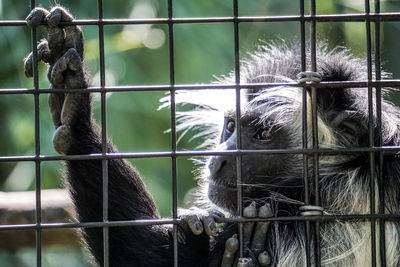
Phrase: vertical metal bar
{"type": "Point", "coordinates": [303, 46]}
{"type": "Point", "coordinates": [314, 120]}
{"type": "Point", "coordinates": [304, 130]}
{"type": "Point", "coordinates": [173, 130]}
{"type": "Point", "coordinates": [38, 177]}
{"type": "Point", "coordinates": [381, 195]}
{"type": "Point", "coordinates": [238, 127]}
{"type": "Point", "coordinates": [371, 134]}
{"type": "Point", "coordinates": [37, 147]}
{"type": "Point", "coordinates": [106, 243]}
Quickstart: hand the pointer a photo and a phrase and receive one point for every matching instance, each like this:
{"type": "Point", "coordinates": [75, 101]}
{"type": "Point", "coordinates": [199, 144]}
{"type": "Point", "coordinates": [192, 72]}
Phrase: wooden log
{"type": "Point", "coordinates": [20, 208]}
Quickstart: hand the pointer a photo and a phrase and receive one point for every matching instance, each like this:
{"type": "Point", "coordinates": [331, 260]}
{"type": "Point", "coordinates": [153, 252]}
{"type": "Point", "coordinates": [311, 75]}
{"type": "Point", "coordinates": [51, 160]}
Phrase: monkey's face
{"type": "Point", "coordinates": [259, 172]}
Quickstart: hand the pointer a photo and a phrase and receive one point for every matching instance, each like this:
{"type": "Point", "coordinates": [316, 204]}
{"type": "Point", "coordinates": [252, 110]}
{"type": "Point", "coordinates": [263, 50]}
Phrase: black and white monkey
{"type": "Point", "coordinates": [272, 184]}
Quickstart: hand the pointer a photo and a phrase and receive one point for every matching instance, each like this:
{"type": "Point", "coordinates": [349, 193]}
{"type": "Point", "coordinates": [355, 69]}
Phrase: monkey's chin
{"type": "Point", "coordinates": [222, 195]}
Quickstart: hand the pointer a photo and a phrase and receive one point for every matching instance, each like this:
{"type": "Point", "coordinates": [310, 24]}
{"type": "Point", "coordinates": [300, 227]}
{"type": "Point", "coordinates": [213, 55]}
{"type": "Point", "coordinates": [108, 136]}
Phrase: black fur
{"type": "Point", "coordinates": [129, 200]}
{"type": "Point", "coordinates": [271, 119]}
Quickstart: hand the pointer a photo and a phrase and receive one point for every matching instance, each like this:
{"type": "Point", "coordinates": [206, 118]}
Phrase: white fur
{"type": "Point", "coordinates": [342, 243]}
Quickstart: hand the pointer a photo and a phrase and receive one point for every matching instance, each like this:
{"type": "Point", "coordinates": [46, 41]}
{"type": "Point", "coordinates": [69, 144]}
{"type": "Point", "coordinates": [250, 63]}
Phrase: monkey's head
{"type": "Point", "coordinates": [271, 119]}
{"type": "Point", "coordinates": [268, 122]}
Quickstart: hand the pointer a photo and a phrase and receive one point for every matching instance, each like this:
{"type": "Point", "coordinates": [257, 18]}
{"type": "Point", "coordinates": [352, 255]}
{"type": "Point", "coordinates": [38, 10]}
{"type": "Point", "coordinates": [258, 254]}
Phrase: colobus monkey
{"type": "Point", "coordinates": [271, 118]}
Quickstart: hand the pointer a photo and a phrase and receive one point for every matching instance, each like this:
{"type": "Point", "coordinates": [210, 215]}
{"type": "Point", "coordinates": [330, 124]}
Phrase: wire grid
{"type": "Point", "coordinates": [312, 222]}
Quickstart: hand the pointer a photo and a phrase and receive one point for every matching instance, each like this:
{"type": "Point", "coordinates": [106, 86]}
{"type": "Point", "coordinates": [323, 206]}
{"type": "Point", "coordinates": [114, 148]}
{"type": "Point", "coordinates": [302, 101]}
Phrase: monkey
{"type": "Point", "coordinates": [272, 183]}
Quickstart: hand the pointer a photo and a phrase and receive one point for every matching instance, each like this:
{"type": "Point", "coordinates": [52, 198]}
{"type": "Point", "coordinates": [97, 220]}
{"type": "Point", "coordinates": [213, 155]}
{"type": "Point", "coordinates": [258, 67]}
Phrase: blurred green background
{"type": "Point", "coordinates": [138, 55]}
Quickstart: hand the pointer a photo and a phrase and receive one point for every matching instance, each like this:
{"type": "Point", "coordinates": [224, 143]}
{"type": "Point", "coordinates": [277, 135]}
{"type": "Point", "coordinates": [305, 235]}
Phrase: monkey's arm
{"type": "Point", "coordinates": [77, 134]}
{"type": "Point", "coordinates": [128, 200]}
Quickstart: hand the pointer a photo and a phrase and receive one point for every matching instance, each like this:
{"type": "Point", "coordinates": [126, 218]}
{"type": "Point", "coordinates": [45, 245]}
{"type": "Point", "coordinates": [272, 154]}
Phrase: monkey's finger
{"type": "Point", "coordinates": [62, 139]}
{"type": "Point", "coordinates": [56, 71]}
{"type": "Point", "coordinates": [73, 79]}
{"type": "Point", "coordinates": [43, 53]}
{"type": "Point", "coordinates": [260, 233]}
{"type": "Point", "coordinates": [55, 35]}
{"type": "Point", "coordinates": [56, 102]}
{"type": "Point", "coordinates": [209, 225]}
{"type": "Point", "coordinates": [245, 262]}
{"type": "Point", "coordinates": [217, 215]}
{"type": "Point", "coordinates": [36, 16]}
{"type": "Point", "coordinates": [181, 236]}
{"type": "Point", "coordinates": [58, 14]}
{"type": "Point", "coordinates": [249, 212]}
{"type": "Point", "coordinates": [194, 223]}
{"type": "Point", "coordinates": [181, 233]}
{"type": "Point", "coordinates": [263, 259]}
{"type": "Point", "coordinates": [65, 107]}
{"type": "Point", "coordinates": [71, 34]}
{"type": "Point", "coordinates": [231, 247]}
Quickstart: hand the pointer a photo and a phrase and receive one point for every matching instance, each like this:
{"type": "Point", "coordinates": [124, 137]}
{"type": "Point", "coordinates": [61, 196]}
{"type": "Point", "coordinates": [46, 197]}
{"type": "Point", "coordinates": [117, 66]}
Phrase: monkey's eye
{"type": "Point", "coordinates": [230, 126]}
{"type": "Point", "coordinates": [263, 134]}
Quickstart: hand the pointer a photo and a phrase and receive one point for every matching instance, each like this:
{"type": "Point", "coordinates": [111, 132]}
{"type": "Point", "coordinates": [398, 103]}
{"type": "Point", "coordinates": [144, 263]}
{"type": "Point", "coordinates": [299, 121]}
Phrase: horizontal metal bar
{"type": "Point", "coordinates": [392, 16]}
{"type": "Point", "coordinates": [200, 153]}
{"type": "Point", "coordinates": [89, 224]}
{"type": "Point", "coordinates": [142, 88]}
{"type": "Point", "coordinates": [349, 217]}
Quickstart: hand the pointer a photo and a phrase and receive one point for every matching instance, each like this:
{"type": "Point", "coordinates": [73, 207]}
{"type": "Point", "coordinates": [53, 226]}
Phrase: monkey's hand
{"type": "Point", "coordinates": [197, 221]}
{"type": "Point", "coordinates": [62, 49]}
{"type": "Point", "coordinates": [254, 240]}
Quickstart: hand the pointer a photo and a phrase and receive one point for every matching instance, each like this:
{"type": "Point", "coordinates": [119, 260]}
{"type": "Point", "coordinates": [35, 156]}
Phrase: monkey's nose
{"type": "Point", "coordinates": [216, 164]}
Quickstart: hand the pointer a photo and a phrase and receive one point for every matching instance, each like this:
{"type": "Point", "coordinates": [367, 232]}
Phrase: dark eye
{"type": "Point", "coordinates": [230, 126]}
{"type": "Point", "coordinates": [263, 134]}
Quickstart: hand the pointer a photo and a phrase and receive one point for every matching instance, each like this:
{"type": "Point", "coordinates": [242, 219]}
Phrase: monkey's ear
{"type": "Point", "coordinates": [337, 108]}
{"type": "Point", "coordinates": [329, 99]}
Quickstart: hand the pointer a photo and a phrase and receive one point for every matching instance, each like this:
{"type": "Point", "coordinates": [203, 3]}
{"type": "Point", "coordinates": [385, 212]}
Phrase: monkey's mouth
{"type": "Point", "coordinates": [223, 185]}
{"type": "Point", "coordinates": [224, 193]}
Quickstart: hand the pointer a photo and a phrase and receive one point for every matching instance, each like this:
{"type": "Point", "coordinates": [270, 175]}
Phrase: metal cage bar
{"type": "Point", "coordinates": [322, 218]}
{"type": "Point", "coordinates": [173, 130]}
{"type": "Point", "coordinates": [392, 16]}
{"type": "Point", "coordinates": [314, 127]}
{"type": "Point", "coordinates": [381, 195]}
{"type": "Point", "coordinates": [104, 161]}
{"type": "Point", "coordinates": [177, 87]}
{"type": "Point", "coordinates": [37, 147]}
{"type": "Point", "coordinates": [238, 128]}
{"type": "Point", "coordinates": [192, 153]}
{"type": "Point", "coordinates": [371, 134]}
{"type": "Point", "coordinates": [304, 132]}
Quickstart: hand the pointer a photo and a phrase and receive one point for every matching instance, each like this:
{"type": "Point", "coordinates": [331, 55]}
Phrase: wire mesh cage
{"type": "Point", "coordinates": [306, 22]}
